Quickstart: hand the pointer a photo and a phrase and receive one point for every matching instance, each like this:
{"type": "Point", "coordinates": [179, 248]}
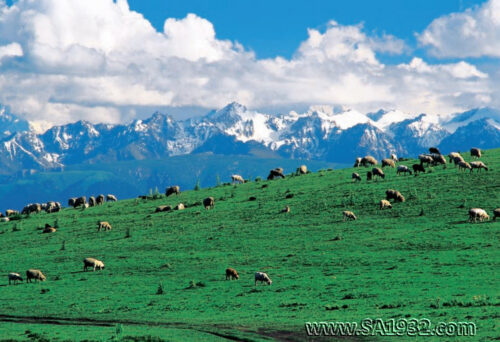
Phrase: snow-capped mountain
{"type": "Point", "coordinates": [10, 123]}
{"type": "Point", "coordinates": [321, 133]}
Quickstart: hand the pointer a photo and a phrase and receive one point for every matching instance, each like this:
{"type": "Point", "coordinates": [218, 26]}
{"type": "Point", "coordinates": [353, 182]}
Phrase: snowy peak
{"type": "Point", "coordinates": [462, 119]}
{"type": "Point", "coordinates": [10, 123]}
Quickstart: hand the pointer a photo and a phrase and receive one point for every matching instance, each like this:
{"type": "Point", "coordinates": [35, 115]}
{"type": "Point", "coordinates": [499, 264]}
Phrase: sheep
{"type": "Point", "coordinates": [357, 163]}
{"type": "Point", "coordinates": [418, 168]}
{"type": "Point", "coordinates": [434, 150]}
{"type": "Point", "coordinates": [348, 215]}
{"type": "Point", "coordinates": [285, 210]}
{"type": "Point", "coordinates": [368, 160]}
{"type": "Point", "coordinates": [209, 203]}
{"type": "Point", "coordinates": [302, 170]}
{"type": "Point", "coordinates": [388, 162]}
{"type": "Point", "coordinates": [378, 172]}
{"type": "Point", "coordinates": [162, 208]}
{"type": "Point", "coordinates": [385, 204]}
{"type": "Point", "coordinates": [34, 274]}
{"type": "Point", "coordinates": [100, 199]}
{"type": "Point", "coordinates": [457, 160]}
{"type": "Point", "coordinates": [475, 152]}
{"type": "Point", "coordinates": [369, 176]}
{"type": "Point", "coordinates": [478, 165]}
{"type": "Point", "coordinates": [92, 202]}
{"type": "Point", "coordinates": [111, 198]}
{"type": "Point", "coordinates": [180, 206]}
{"type": "Point", "coordinates": [93, 263]}
{"type": "Point", "coordinates": [10, 212]}
{"type": "Point", "coordinates": [403, 169]}
{"type": "Point", "coordinates": [464, 166]}
{"type": "Point", "coordinates": [237, 178]}
{"type": "Point", "coordinates": [15, 277]}
{"type": "Point", "coordinates": [53, 207]}
{"type": "Point", "coordinates": [356, 177]}
{"type": "Point", "coordinates": [438, 159]}
{"type": "Point", "coordinates": [394, 157]}
{"type": "Point", "coordinates": [262, 277]}
{"type": "Point", "coordinates": [478, 213]}
{"type": "Point", "coordinates": [32, 208]}
{"type": "Point", "coordinates": [48, 229]}
{"type": "Point", "coordinates": [278, 172]}
{"type": "Point", "coordinates": [425, 159]}
{"type": "Point", "coordinates": [452, 156]}
{"type": "Point", "coordinates": [395, 195]}
{"type": "Point", "coordinates": [71, 202]}
{"type": "Point", "coordinates": [104, 225]}
{"type": "Point", "coordinates": [231, 274]}
{"type": "Point", "coordinates": [4, 219]}
{"type": "Point", "coordinates": [80, 201]}
{"type": "Point", "coordinates": [496, 213]}
{"type": "Point", "coordinates": [173, 190]}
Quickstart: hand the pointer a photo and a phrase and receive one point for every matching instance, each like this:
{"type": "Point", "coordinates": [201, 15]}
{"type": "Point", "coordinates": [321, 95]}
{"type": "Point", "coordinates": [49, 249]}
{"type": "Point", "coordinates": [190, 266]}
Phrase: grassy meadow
{"type": "Point", "coordinates": [164, 277]}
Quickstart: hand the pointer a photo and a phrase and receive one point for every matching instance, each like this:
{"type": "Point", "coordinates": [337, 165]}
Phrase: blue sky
{"type": "Point", "coordinates": [118, 60]}
{"type": "Point", "coordinates": [276, 28]}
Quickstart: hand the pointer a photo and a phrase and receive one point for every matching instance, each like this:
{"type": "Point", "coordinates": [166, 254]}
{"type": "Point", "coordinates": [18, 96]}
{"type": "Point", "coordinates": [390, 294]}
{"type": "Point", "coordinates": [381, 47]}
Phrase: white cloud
{"type": "Point", "coordinates": [98, 60]}
{"type": "Point", "coordinates": [472, 33]}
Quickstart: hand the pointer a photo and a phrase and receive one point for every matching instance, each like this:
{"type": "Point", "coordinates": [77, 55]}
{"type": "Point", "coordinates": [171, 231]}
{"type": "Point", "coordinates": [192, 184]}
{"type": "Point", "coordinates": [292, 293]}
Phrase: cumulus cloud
{"type": "Point", "coordinates": [62, 61]}
{"type": "Point", "coordinates": [472, 33]}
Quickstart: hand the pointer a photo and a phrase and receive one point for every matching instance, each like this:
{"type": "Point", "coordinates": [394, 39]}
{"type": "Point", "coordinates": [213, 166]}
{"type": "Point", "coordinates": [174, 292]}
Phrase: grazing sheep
{"type": "Point", "coordinates": [10, 212]}
{"type": "Point", "coordinates": [15, 277]}
{"type": "Point", "coordinates": [425, 159]}
{"type": "Point", "coordinates": [395, 195]}
{"type": "Point", "coordinates": [357, 163]}
{"type": "Point", "coordinates": [231, 274]}
{"type": "Point", "coordinates": [403, 169]}
{"type": "Point", "coordinates": [92, 201]}
{"type": "Point", "coordinates": [378, 172]}
{"type": "Point", "coordinates": [111, 198]}
{"type": "Point", "coordinates": [48, 229]}
{"type": "Point", "coordinates": [32, 208]}
{"type": "Point", "coordinates": [418, 168]}
{"type": "Point", "coordinates": [438, 159]}
{"type": "Point", "coordinates": [71, 202]}
{"type": "Point", "coordinates": [385, 204]}
{"type": "Point", "coordinates": [368, 160]}
{"type": "Point", "coordinates": [180, 206]}
{"type": "Point", "coordinates": [4, 219]}
{"type": "Point", "coordinates": [369, 176]}
{"type": "Point", "coordinates": [278, 172]}
{"type": "Point", "coordinates": [457, 160]}
{"type": "Point", "coordinates": [394, 157]}
{"type": "Point", "coordinates": [302, 169]}
{"type": "Point", "coordinates": [478, 165]}
{"type": "Point", "coordinates": [452, 156]}
{"type": "Point", "coordinates": [209, 203]}
{"type": "Point", "coordinates": [475, 152]}
{"type": "Point", "coordinates": [52, 207]}
{"type": "Point", "coordinates": [478, 213]}
{"type": "Point", "coordinates": [237, 178]}
{"type": "Point", "coordinates": [388, 162]}
{"type": "Point", "coordinates": [34, 274]}
{"type": "Point", "coordinates": [464, 166]}
{"type": "Point", "coordinates": [100, 199]}
{"type": "Point", "coordinates": [173, 190]}
{"type": "Point", "coordinates": [496, 213]}
{"type": "Point", "coordinates": [163, 208]}
{"type": "Point", "coordinates": [93, 263]}
{"type": "Point", "coordinates": [80, 201]}
{"type": "Point", "coordinates": [262, 277]}
{"type": "Point", "coordinates": [356, 177]}
{"type": "Point", "coordinates": [348, 215]}
{"type": "Point", "coordinates": [104, 225]}
{"type": "Point", "coordinates": [434, 150]}
{"type": "Point", "coordinates": [285, 210]}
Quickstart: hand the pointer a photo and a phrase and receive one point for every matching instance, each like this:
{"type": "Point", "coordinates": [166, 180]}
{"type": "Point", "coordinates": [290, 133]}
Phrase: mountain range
{"type": "Point", "coordinates": [322, 133]}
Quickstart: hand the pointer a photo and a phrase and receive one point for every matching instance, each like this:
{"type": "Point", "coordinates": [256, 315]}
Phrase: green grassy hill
{"type": "Point", "coordinates": [422, 259]}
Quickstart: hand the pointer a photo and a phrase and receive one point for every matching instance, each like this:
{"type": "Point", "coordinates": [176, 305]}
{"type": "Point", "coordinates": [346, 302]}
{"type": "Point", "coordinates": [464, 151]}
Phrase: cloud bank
{"type": "Point", "coordinates": [62, 61]}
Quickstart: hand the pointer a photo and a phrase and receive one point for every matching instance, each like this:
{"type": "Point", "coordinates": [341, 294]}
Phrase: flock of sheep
{"type": "Point", "coordinates": [434, 158]}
